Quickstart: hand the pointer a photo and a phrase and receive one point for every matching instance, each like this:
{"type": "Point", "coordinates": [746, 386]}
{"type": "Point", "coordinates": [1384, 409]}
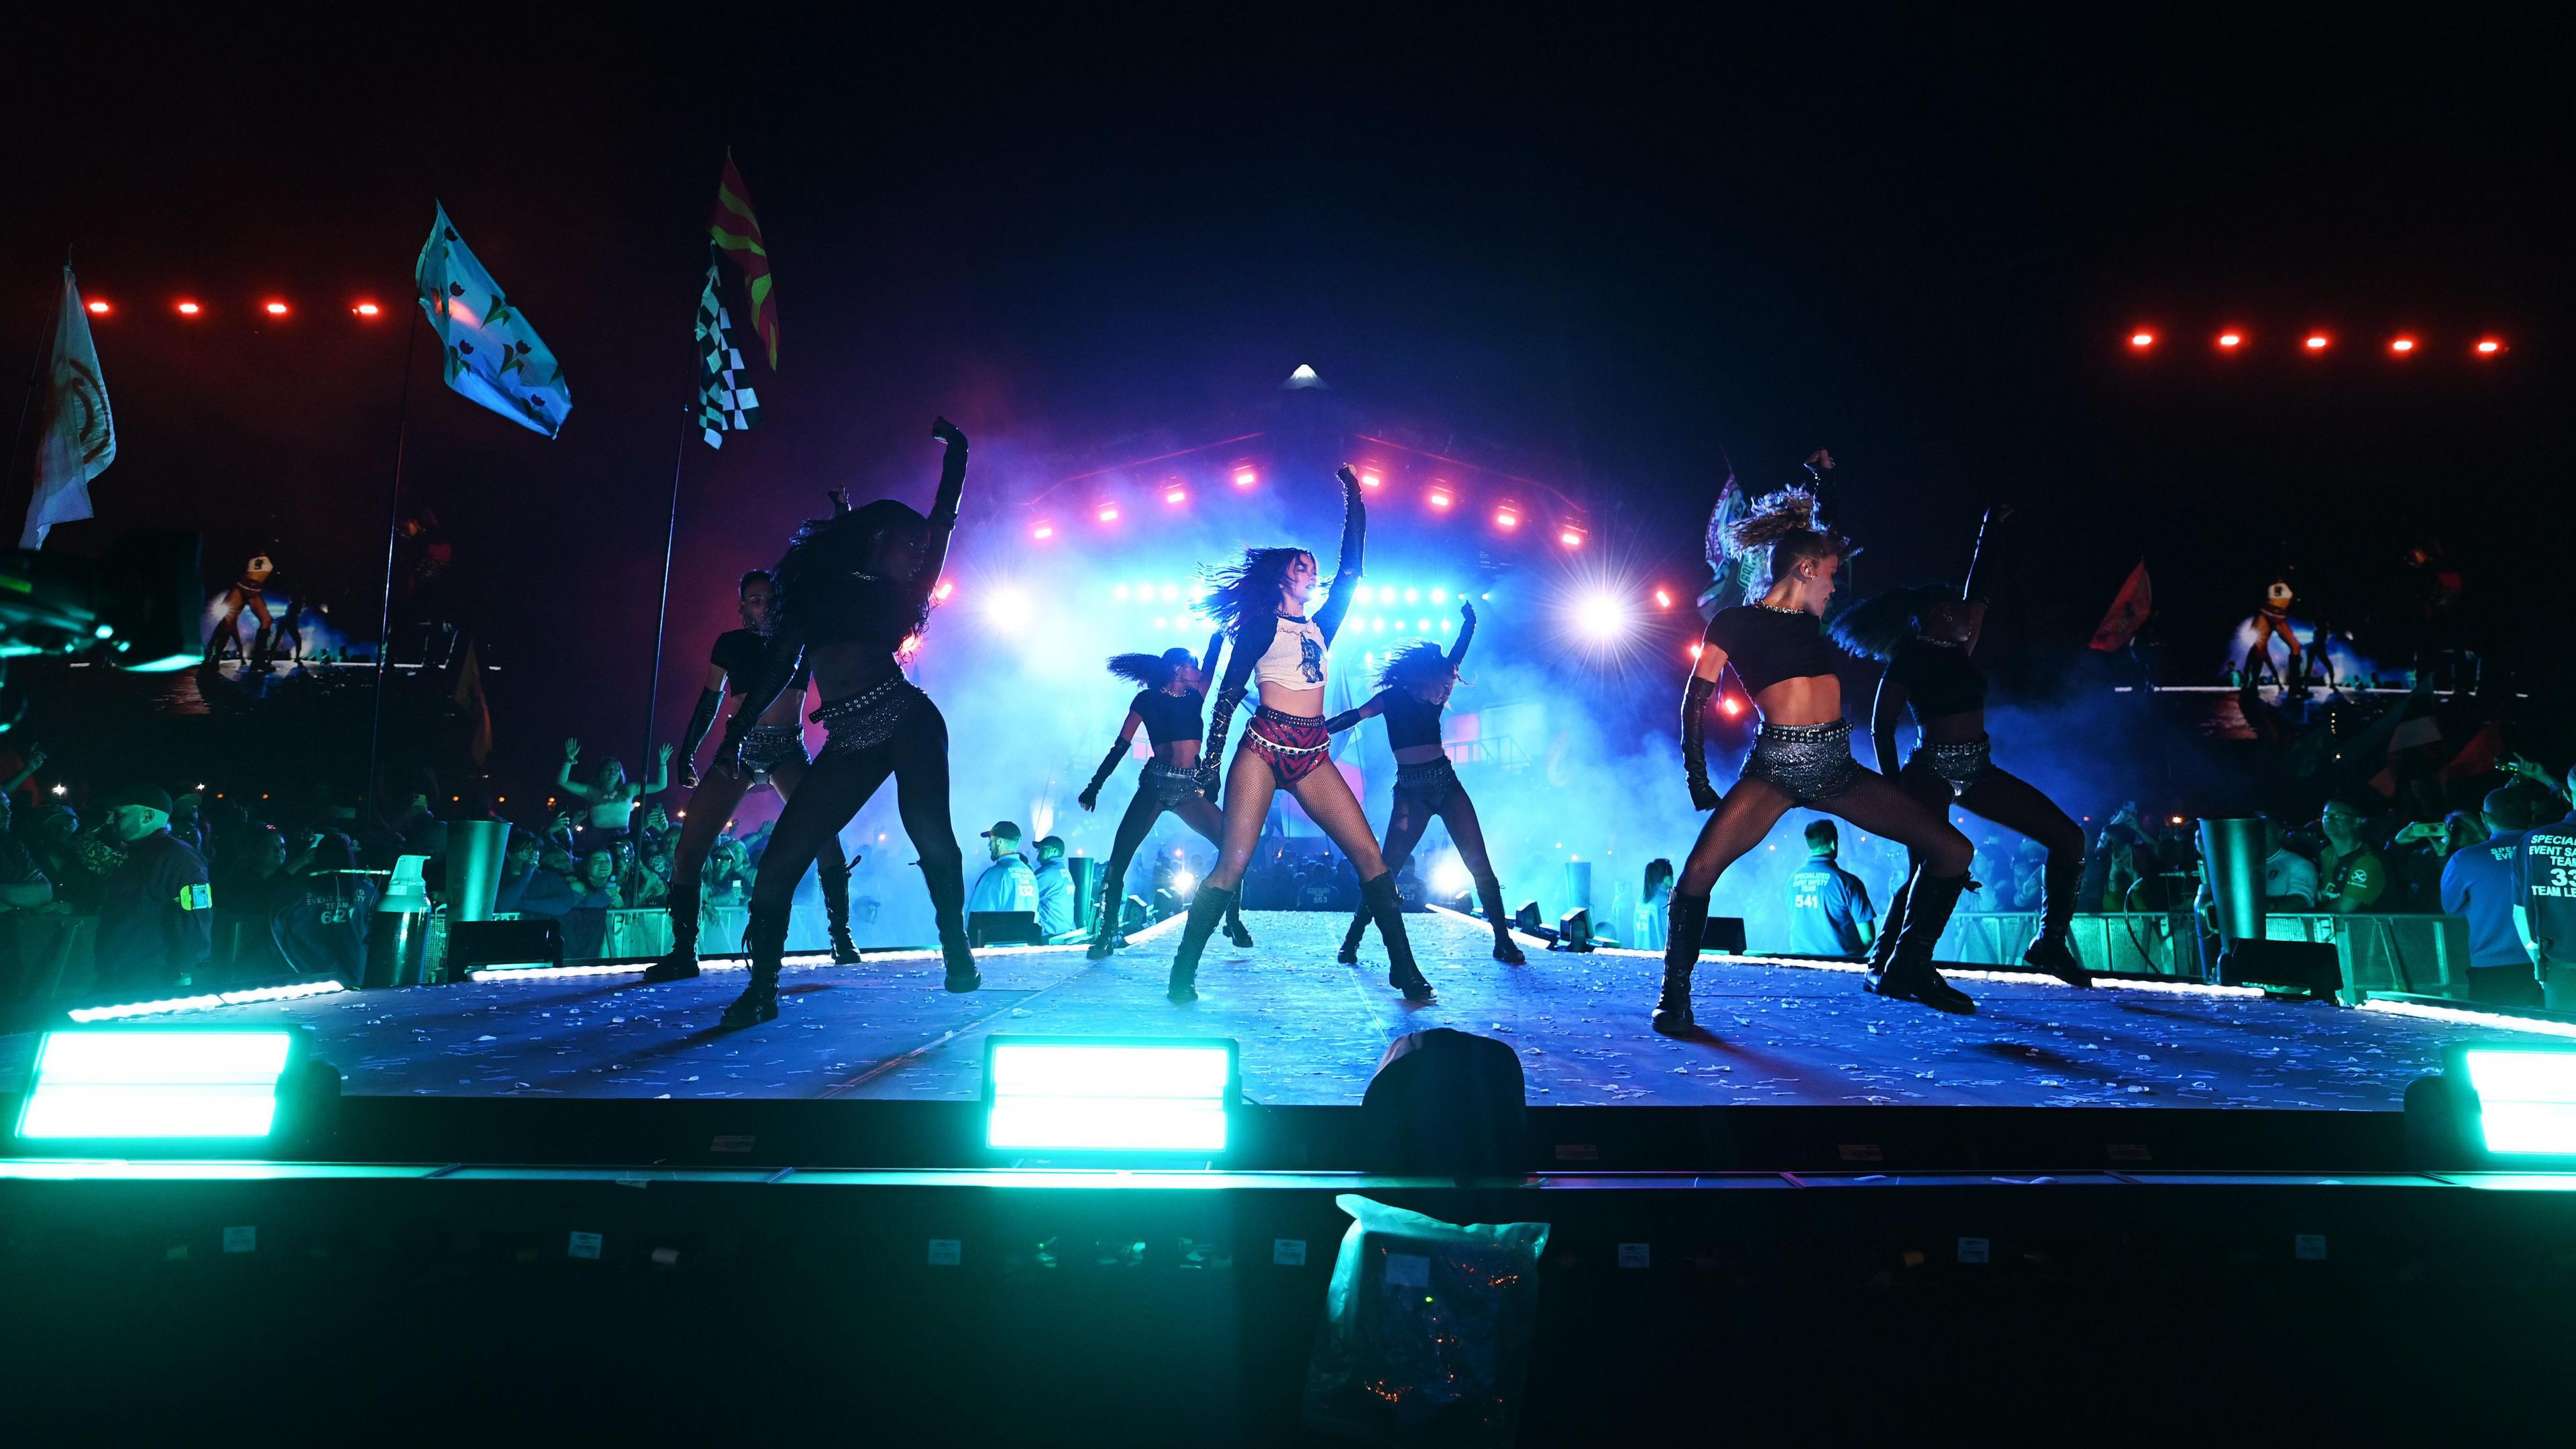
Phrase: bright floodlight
{"type": "Point", "coordinates": [2526, 1099]}
{"type": "Point", "coordinates": [2316, 342]}
{"type": "Point", "coordinates": [97, 306]}
{"type": "Point", "coordinates": [94, 1085]}
{"type": "Point", "coordinates": [1043, 531]}
{"type": "Point", "coordinates": [1108, 1095]}
{"type": "Point", "coordinates": [1183, 882]}
{"type": "Point", "coordinates": [1440, 498]}
{"type": "Point", "coordinates": [1451, 878]}
{"type": "Point", "coordinates": [1006, 608]}
{"type": "Point", "coordinates": [1109, 513]}
{"type": "Point", "coordinates": [2142, 339]}
{"type": "Point", "coordinates": [1176, 495]}
{"type": "Point", "coordinates": [1245, 477]}
{"type": "Point", "coordinates": [367, 309]}
{"type": "Point", "coordinates": [275, 309]}
{"type": "Point", "coordinates": [2401, 344]}
{"type": "Point", "coordinates": [1369, 478]}
{"type": "Point", "coordinates": [1506, 518]}
{"type": "Point", "coordinates": [2489, 347]}
{"type": "Point", "coordinates": [1603, 616]}
{"type": "Point", "coordinates": [189, 309]}
{"type": "Point", "coordinates": [2230, 339]}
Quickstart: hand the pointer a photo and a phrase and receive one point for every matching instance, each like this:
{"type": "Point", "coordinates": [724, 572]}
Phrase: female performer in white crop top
{"type": "Point", "coordinates": [1262, 600]}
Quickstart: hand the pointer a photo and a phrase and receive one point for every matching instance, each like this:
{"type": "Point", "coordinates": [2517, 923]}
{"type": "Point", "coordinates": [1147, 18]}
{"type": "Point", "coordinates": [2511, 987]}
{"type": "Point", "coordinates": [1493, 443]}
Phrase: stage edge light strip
{"type": "Point", "coordinates": [805, 959]}
{"type": "Point", "coordinates": [2461, 1016]}
{"type": "Point", "coordinates": [290, 992]}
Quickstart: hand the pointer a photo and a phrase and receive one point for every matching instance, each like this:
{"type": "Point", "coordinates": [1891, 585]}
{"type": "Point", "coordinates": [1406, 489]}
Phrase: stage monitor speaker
{"type": "Point", "coordinates": [1003, 928]}
{"type": "Point", "coordinates": [1446, 1103]}
{"type": "Point", "coordinates": [2312, 967]}
{"type": "Point", "coordinates": [527, 941]}
{"type": "Point", "coordinates": [1722, 933]}
{"type": "Point", "coordinates": [1574, 931]}
{"type": "Point", "coordinates": [1527, 920]}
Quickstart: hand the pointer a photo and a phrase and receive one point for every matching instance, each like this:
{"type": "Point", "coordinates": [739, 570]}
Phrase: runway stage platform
{"type": "Point", "coordinates": [1777, 1033]}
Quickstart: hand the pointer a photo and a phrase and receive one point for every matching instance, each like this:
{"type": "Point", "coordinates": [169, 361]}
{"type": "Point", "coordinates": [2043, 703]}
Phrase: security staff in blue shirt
{"type": "Point", "coordinates": [1829, 909]}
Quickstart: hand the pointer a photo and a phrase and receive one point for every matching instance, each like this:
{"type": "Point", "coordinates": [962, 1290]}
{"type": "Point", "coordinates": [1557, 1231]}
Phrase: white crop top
{"type": "Point", "coordinates": [1295, 658]}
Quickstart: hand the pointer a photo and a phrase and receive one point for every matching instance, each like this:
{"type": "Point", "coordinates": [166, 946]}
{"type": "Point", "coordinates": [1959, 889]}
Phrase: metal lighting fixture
{"type": "Point", "coordinates": [1102, 1096]}
{"type": "Point", "coordinates": [131, 1085]}
{"type": "Point", "coordinates": [2524, 1097]}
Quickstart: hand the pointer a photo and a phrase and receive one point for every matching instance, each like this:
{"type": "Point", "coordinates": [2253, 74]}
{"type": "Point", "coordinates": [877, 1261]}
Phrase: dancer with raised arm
{"type": "Point", "coordinates": [850, 590]}
{"type": "Point", "coordinates": [1171, 697]}
{"type": "Point", "coordinates": [773, 751]}
{"type": "Point", "coordinates": [1413, 688]}
{"type": "Point", "coordinates": [1926, 636]}
{"type": "Point", "coordinates": [1262, 599]}
{"type": "Point", "coordinates": [1802, 757]}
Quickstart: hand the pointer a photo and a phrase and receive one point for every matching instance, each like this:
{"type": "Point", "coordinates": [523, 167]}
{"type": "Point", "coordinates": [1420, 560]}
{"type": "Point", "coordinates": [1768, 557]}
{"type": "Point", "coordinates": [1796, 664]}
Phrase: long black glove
{"type": "Point", "coordinates": [701, 719]}
{"type": "Point", "coordinates": [1220, 724]}
{"type": "Point", "coordinates": [1090, 796]}
{"type": "Point", "coordinates": [1695, 742]}
{"type": "Point", "coordinates": [1344, 720]}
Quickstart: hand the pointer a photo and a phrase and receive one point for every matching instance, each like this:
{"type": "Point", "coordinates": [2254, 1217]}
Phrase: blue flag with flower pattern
{"type": "Point", "coordinates": [492, 355]}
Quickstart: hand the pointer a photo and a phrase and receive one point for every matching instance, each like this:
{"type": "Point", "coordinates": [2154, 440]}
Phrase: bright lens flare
{"type": "Point", "coordinates": [1603, 616]}
{"type": "Point", "coordinates": [1451, 877]}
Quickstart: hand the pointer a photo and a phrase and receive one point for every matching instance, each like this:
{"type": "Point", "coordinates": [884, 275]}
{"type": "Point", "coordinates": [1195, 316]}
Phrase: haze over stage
{"type": "Point", "coordinates": [1312, 1031]}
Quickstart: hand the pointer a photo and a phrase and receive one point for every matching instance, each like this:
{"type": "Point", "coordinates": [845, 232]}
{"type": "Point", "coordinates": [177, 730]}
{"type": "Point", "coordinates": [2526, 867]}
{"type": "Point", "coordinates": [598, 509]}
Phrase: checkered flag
{"type": "Point", "coordinates": [725, 402]}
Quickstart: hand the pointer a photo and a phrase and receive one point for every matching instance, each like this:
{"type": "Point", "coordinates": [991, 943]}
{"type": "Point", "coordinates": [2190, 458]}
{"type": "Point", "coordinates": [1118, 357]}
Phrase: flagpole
{"type": "Point", "coordinates": [662, 616]}
{"type": "Point", "coordinates": [393, 525]}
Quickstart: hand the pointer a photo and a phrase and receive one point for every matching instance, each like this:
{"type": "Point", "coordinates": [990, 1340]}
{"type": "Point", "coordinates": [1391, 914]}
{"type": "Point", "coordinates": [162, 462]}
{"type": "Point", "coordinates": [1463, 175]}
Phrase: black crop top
{"type": "Point", "coordinates": [1169, 717]}
{"type": "Point", "coordinates": [1939, 680]}
{"type": "Point", "coordinates": [1410, 720]}
{"type": "Point", "coordinates": [740, 653]}
{"type": "Point", "coordinates": [1767, 646]}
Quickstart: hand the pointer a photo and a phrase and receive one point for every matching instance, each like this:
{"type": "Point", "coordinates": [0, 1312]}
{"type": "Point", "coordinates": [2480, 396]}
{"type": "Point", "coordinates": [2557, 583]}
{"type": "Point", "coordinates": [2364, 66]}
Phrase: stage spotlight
{"type": "Point", "coordinates": [1183, 883]}
{"type": "Point", "coordinates": [1730, 707]}
{"type": "Point", "coordinates": [1245, 477]}
{"type": "Point", "coordinates": [109, 1084]}
{"type": "Point", "coordinates": [368, 309]}
{"type": "Point", "coordinates": [1176, 494]}
{"type": "Point", "coordinates": [1413, 596]}
{"type": "Point", "coordinates": [2489, 347]}
{"type": "Point", "coordinates": [2142, 340]}
{"type": "Point", "coordinates": [1007, 608]}
{"type": "Point", "coordinates": [1451, 877]}
{"type": "Point", "coordinates": [275, 309]}
{"type": "Point", "coordinates": [1695, 650]}
{"type": "Point", "coordinates": [1043, 531]}
{"type": "Point", "coordinates": [1108, 513]}
{"type": "Point", "coordinates": [1171, 593]}
{"type": "Point", "coordinates": [1102, 1094]}
{"type": "Point", "coordinates": [1440, 498]}
{"type": "Point", "coordinates": [1507, 516]}
{"type": "Point", "coordinates": [189, 309]}
{"type": "Point", "coordinates": [98, 307]}
{"type": "Point", "coordinates": [1439, 596]}
{"type": "Point", "coordinates": [946, 587]}
{"type": "Point", "coordinates": [2231, 340]}
{"type": "Point", "coordinates": [2317, 342]}
{"type": "Point", "coordinates": [1369, 478]}
{"type": "Point", "coordinates": [1378, 625]}
{"type": "Point", "coordinates": [1444, 626]}
{"type": "Point", "coordinates": [2401, 345]}
{"type": "Point", "coordinates": [1603, 616]}
{"type": "Point", "coordinates": [1663, 599]}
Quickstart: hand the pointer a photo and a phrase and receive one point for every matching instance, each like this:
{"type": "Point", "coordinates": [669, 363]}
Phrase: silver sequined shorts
{"type": "Point", "coordinates": [1958, 765]}
{"type": "Point", "coordinates": [863, 722]}
{"type": "Point", "coordinates": [1808, 763]}
{"type": "Point", "coordinates": [1428, 782]}
{"type": "Point", "coordinates": [1172, 787]}
{"type": "Point", "coordinates": [767, 747]}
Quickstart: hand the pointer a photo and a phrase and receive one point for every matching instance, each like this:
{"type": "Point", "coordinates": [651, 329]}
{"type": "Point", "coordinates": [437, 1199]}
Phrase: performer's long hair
{"type": "Point", "coordinates": [1249, 587]}
{"type": "Point", "coordinates": [1420, 662]}
{"type": "Point", "coordinates": [1876, 627]}
{"type": "Point", "coordinates": [1784, 524]}
{"type": "Point", "coordinates": [1149, 671]}
{"type": "Point", "coordinates": [832, 549]}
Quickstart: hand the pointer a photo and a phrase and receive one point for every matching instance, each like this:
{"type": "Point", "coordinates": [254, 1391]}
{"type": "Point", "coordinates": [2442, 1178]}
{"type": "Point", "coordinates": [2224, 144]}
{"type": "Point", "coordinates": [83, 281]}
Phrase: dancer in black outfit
{"type": "Point", "coordinates": [773, 750]}
{"type": "Point", "coordinates": [848, 593]}
{"type": "Point", "coordinates": [1262, 598]}
{"type": "Point", "coordinates": [1413, 688]}
{"type": "Point", "coordinates": [1169, 705]}
{"type": "Point", "coordinates": [1926, 636]}
{"type": "Point", "coordinates": [1801, 758]}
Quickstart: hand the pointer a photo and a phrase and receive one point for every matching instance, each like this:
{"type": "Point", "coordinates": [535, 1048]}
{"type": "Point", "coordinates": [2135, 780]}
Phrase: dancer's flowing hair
{"type": "Point", "coordinates": [1416, 663]}
{"type": "Point", "coordinates": [1876, 627]}
{"type": "Point", "coordinates": [1249, 587]}
{"type": "Point", "coordinates": [829, 548]}
{"type": "Point", "coordinates": [1149, 671]}
{"type": "Point", "coordinates": [1783, 524]}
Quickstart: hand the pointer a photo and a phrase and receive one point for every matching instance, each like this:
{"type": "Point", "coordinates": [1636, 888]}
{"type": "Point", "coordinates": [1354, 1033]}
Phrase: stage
{"type": "Point", "coordinates": [1775, 1032]}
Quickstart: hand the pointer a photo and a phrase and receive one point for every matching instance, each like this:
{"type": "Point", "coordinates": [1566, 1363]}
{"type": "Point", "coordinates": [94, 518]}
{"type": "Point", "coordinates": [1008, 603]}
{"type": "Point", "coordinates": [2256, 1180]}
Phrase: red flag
{"type": "Point", "coordinates": [2477, 756]}
{"type": "Point", "coordinates": [2128, 611]}
{"type": "Point", "coordinates": [737, 234]}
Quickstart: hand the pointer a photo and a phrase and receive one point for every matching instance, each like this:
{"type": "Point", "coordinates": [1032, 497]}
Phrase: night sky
{"type": "Point", "coordinates": [1629, 245]}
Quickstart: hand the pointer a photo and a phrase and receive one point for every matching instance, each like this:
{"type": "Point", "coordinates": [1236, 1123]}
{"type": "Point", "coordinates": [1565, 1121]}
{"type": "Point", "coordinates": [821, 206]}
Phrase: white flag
{"type": "Point", "coordinates": [80, 436]}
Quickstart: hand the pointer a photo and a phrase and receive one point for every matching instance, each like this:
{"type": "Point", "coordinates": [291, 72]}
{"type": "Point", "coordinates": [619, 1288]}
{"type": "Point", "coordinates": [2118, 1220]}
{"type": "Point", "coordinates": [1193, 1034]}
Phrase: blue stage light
{"type": "Point", "coordinates": [1109, 1095]}
{"type": "Point", "coordinates": [99, 1085]}
{"type": "Point", "coordinates": [2526, 1099]}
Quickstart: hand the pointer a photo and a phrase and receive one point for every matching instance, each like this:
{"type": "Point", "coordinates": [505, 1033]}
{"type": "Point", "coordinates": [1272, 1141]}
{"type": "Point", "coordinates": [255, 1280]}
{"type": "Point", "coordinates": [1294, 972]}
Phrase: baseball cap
{"type": "Point", "coordinates": [1004, 829]}
{"type": "Point", "coordinates": [141, 792]}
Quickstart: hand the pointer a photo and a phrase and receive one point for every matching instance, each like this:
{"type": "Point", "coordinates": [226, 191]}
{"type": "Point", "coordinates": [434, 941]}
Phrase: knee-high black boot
{"type": "Point", "coordinates": [1489, 890]}
{"type": "Point", "coordinates": [1206, 909]}
{"type": "Point", "coordinates": [1235, 930]}
{"type": "Point", "coordinates": [682, 962]}
{"type": "Point", "coordinates": [1909, 975]}
{"type": "Point", "coordinates": [2051, 951]}
{"type": "Point", "coordinates": [1111, 906]}
{"type": "Point", "coordinates": [1387, 910]}
{"type": "Point", "coordinates": [1687, 920]}
{"type": "Point", "coordinates": [759, 1000]}
{"type": "Point", "coordinates": [836, 911]}
{"type": "Point", "coordinates": [1882, 947]}
{"type": "Point", "coordinates": [1349, 955]}
{"type": "Point", "coordinates": [947, 881]}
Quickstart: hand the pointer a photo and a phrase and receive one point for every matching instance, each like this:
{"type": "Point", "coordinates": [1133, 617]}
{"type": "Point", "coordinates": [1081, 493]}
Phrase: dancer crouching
{"type": "Point", "coordinates": [773, 751]}
{"type": "Point", "coordinates": [850, 590]}
{"type": "Point", "coordinates": [1413, 689]}
{"type": "Point", "coordinates": [1262, 599]}
{"type": "Point", "coordinates": [1801, 758]}
{"type": "Point", "coordinates": [1170, 706]}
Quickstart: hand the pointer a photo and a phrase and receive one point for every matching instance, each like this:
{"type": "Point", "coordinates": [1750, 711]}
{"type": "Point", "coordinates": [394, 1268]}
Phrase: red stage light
{"type": "Point", "coordinates": [1176, 495]}
{"type": "Point", "coordinates": [1109, 513]}
{"type": "Point", "coordinates": [1440, 498]}
{"type": "Point", "coordinates": [1369, 478]}
{"type": "Point", "coordinates": [1043, 531]}
{"type": "Point", "coordinates": [946, 587]}
{"type": "Point", "coordinates": [2489, 347]}
{"type": "Point", "coordinates": [1729, 705]}
{"type": "Point", "coordinates": [1507, 516]}
{"type": "Point", "coordinates": [1245, 477]}
{"type": "Point", "coordinates": [189, 309]}
{"type": "Point", "coordinates": [1570, 537]}
{"type": "Point", "coordinates": [2142, 339]}
{"type": "Point", "coordinates": [2316, 342]}
{"type": "Point", "coordinates": [2401, 344]}
{"type": "Point", "coordinates": [98, 307]}
{"type": "Point", "coordinates": [1695, 650]}
{"type": "Point", "coordinates": [275, 309]}
{"type": "Point", "coordinates": [2231, 339]}
{"type": "Point", "coordinates": [1663, 600]}
{"type": "Point", "coordinates": [367, 309]}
